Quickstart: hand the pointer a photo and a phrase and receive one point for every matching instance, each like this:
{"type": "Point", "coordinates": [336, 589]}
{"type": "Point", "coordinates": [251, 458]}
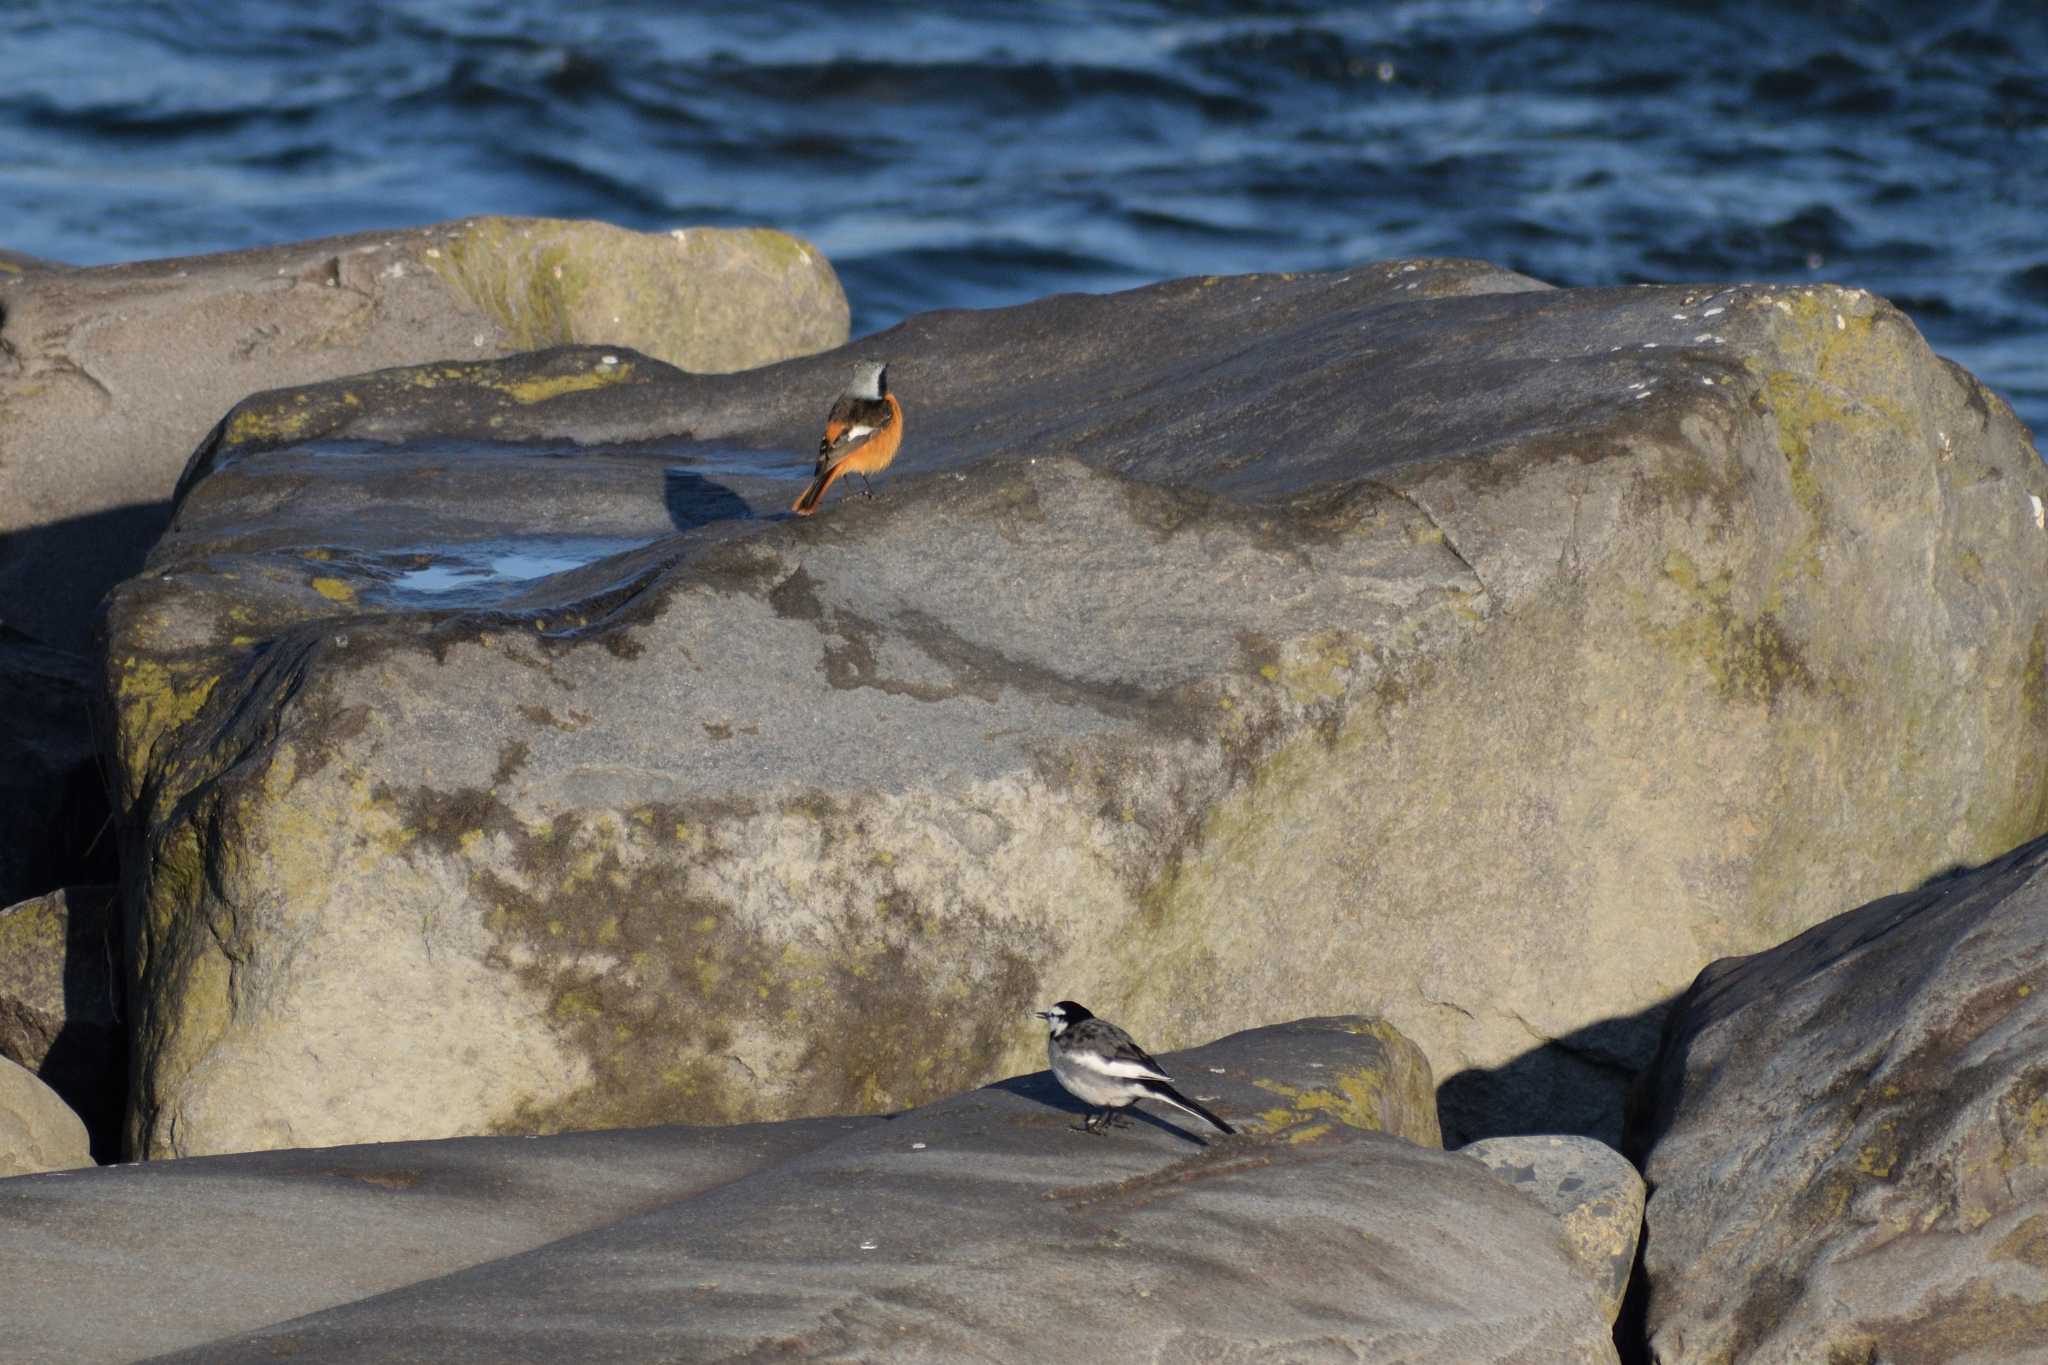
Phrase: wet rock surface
{"type": "Point", "coordinates": [982, 1227]}
{"type": "Point", "coordinates": [1849, 1137]}
{"type": "Point", "coordinates": [61, 977]}
{"type": "Point", "coordinates": [1301, 641]}
{"type": "Point", "coordinates": [109, 375]}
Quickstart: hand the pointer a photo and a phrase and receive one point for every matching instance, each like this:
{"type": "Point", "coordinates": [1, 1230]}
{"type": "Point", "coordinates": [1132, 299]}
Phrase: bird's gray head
{"type": "Point", "coordinates": [870, 379]}
{"type": "Point", "coordinates": [1063, 1016]}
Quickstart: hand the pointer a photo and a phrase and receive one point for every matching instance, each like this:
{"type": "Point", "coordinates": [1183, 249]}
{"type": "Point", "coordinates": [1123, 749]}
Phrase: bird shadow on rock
{"type": "Point", "coordinates": [693, 500]}
{"type": "Point", "coordinates": [1578, 1084]}
{"type": "Point", "coordinates": [1041, 1088]}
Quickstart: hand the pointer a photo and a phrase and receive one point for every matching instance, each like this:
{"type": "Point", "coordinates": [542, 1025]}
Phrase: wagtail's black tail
{"type": "Point", "coordinates": [1160, 1090]}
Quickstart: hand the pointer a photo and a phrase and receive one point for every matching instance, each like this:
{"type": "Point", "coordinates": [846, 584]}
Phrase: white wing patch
{"type": "Point", "coordinates": [855, 433]}
{"type": "Point", "coordinates": [1116, 1066]}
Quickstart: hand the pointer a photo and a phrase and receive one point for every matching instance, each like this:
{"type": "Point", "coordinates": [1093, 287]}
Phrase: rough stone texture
{"type": "Point", "coordinates": [60, 972]}
{"type": "Point", "coordinates": [1413, 640]}
{"type": "Point", "coordinates": [110, 375]}
{"type": "Point", "coordinates": [1849, 1141]}
{"type": "Point", "coordinates": [54, 818]}
{"type": "Point", "coordinates": [1588, 1185]}
{"type": "Point", "coordinates": [985, 1228]}
{"type": "Point", "coordinates": [124, 1262]}
{"type": "Point", "coordinates": [38, 1131]}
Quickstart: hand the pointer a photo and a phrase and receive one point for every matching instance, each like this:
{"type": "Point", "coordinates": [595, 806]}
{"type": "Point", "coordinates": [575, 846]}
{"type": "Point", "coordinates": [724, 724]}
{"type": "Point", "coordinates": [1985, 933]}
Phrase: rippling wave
{"type": "Point", "coordinates": [990, 153]}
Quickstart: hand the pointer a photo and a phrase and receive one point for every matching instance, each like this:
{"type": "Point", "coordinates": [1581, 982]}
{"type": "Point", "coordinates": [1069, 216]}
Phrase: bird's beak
{"type": "Point", "coordinates": [1041, 1014]}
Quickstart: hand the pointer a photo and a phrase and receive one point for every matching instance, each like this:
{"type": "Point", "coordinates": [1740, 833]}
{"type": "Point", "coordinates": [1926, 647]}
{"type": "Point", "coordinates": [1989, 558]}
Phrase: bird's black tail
{"type": "Point", "coordinates": [1161, 1091]}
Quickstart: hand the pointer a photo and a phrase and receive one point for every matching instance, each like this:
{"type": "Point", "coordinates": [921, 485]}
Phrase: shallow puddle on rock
{"type": "Point", "coordinates": [487, 570]}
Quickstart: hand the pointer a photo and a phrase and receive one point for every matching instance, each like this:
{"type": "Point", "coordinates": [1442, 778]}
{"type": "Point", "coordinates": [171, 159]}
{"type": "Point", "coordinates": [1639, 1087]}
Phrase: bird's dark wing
{"type": "Point", "coordinates": [1122, 1055]}
{"type": "Point", "coordinates": [851, 424]}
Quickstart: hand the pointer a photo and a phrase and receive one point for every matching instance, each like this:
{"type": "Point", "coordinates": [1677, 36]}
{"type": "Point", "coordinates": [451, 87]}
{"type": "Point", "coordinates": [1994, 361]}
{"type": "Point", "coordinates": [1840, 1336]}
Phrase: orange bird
{"type": "Point", "coordinates": [861, 434]}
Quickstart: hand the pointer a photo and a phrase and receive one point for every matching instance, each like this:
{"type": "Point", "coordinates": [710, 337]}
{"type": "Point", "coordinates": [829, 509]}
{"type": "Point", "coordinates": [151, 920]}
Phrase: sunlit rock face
{"type": "Point", "coordinates": [1416, 640]}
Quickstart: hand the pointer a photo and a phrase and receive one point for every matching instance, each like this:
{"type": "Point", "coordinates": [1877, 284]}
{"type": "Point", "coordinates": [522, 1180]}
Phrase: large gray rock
{"type": "Point", "coordinates": [1412, 639]}
{"type": "Point", "coordinates": [55, 825]}
{"type": "Point", "coordinates": [986, 1228]}
{"type": "Point", "coordinates": [1850, 1137]}
{"type": "Point", "coordinates": [125, 1262]}
{"type": "Point", "coordinates": [110, 375]}
{"type": "Point", "coordinates": [38, 1131]}
{"type": "Point", "coordinates": [61, 960]}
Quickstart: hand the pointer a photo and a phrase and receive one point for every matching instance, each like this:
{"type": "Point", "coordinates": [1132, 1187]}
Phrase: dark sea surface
{"type": "Point", "coordinates": [980, 154]}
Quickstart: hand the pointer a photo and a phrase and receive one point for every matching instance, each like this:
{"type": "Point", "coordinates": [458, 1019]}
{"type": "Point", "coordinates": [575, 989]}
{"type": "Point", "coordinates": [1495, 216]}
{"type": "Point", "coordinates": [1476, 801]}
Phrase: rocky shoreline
{"type": "Point", "coordinates": [1517, 689]}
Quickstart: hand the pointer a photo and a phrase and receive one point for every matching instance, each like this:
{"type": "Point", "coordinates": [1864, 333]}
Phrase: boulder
{"type": "Point", "coordinates": [1849, 1137]}
{"type": "Point", "coordinates": [1590, 1187]}
{"type": "Point", "coordinates": [55, 824]}
{"type": "Point", "coordinates": [985, 1227]}
{"type": "Point", "coordinates": [119, 1263]}
{"type": "Point", "coordinates": [38, 1131]}
{"type": "Point", "coordinates": [109, 375]}
{"type": "Point", "coordinates": [1412, 640]}
{"type": "Point", "coordinates": [60, 979]}
{"type": "Point", "coordinates": [21, 263]}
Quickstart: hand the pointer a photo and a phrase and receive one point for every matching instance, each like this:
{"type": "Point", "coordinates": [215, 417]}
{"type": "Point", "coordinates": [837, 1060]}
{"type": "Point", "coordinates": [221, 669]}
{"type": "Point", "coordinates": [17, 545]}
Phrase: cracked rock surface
{"type": "Point", "coordinates": [1414, 640]}
{"type": "Point", "coordinates": [110, 374]}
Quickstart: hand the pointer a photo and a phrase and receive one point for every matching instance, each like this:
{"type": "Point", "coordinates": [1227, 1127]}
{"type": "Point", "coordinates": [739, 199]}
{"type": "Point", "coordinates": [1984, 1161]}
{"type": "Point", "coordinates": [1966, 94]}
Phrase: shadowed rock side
{"type": "Point", "coordinates": [109, 375]}
{"type": "Point", "coordinates": [60, 982]}
{"type": "Point", "coordinates": [986, 1228]}
{"type": "Point", "coordinates": [1413, 639]}
{"type": "Point", "coordinates": [1849, 1148]}
{"type": "Point", "coordinates": [55, 825]}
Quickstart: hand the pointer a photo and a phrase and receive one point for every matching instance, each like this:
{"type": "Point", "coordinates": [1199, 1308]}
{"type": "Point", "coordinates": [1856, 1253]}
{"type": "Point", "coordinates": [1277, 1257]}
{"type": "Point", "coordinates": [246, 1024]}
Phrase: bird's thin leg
{"type": "Point", "coordinates": [868, 487]}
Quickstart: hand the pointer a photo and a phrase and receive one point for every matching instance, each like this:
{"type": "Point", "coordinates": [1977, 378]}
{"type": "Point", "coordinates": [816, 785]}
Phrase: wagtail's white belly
{"type": "Point", "coordinates": [1087, 1083]}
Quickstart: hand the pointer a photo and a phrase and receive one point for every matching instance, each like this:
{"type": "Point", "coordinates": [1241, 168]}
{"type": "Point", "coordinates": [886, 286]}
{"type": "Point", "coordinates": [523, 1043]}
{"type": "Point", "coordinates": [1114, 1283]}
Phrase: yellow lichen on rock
{"type": "Point", "coordinates": [151, 700]}
{"type": "Point", "coordinates": [553, 386]}
{"type": "Point", "coordinates": [1392, 1094]}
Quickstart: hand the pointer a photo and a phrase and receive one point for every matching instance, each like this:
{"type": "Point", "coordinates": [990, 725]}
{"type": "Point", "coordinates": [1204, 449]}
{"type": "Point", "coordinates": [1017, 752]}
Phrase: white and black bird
{"type": "Point", "coordinates": [1100, 1065]}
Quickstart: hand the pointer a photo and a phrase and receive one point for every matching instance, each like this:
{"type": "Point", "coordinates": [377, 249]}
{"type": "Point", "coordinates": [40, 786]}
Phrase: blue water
{"type": "Point", "coordinates": [980, 154]}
